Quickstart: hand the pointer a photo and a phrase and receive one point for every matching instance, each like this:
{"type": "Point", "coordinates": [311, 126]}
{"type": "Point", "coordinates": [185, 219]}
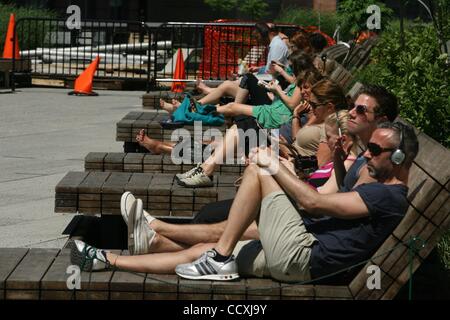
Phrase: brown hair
{"type": "Point", "coordinates": [328, 91]}
{"type": "Point", "coordinates": [301, 41]}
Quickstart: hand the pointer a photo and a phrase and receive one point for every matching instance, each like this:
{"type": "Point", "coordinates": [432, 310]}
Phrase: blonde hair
{"type": "Point", "coordinates": [338, 119]}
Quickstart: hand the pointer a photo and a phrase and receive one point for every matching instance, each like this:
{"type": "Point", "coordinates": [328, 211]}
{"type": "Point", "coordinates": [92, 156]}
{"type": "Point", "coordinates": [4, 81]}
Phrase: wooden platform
{"type": "Point", "coordinates": [133, 122]}
{"type": "Point", "coordinates": [100, 192]}
{"type": "Point", "coordinates": [146, 163]}
{"type": "Point", "coordinates": [151, 100]}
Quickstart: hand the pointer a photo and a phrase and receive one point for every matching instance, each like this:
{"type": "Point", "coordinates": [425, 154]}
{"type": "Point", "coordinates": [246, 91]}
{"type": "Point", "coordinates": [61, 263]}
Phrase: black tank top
{"type": "Point", "coordinates": [352, 174]}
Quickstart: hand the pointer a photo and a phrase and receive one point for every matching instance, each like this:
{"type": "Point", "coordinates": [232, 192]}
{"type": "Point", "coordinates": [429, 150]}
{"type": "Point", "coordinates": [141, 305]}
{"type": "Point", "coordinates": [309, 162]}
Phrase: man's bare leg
{"type": "Point", "coordinates": [245, 208]}
{"type": "Point", "coordinates": [161, 243]}
{"type": "Point", "coordinates": [161, 263]}
{"type": "Point", "coordinates": [191, 234]}
{"type": "Point", "coordinates": [202, 87]}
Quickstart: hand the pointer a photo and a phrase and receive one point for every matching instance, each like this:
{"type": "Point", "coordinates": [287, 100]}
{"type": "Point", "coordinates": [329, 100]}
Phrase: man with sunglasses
{"type": "Point", "coordinates": [373, 105]}
{"type": "Point", "coordinates": [294, 247]}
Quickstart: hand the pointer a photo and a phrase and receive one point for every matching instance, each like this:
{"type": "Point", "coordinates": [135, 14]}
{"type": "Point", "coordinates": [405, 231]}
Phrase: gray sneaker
{"type": "Point", "coordinates": [87, 257]}
{"type": "Point", "coordinates": [206, 268]}
{"type": "Point", "coordinates": [187, 174]}
{"type": "Point", "coordinates": [127, 204]}
{"type": "Point", "coordinates": [140, 235]}
{"type": "Point", "coordinates": [197, 180]}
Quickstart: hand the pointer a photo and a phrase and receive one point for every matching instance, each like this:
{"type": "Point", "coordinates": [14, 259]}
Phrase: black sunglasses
{"type": "Point", "coordinates": [362, 109]}
{"type": "Point", "coordinates": [376, 150]}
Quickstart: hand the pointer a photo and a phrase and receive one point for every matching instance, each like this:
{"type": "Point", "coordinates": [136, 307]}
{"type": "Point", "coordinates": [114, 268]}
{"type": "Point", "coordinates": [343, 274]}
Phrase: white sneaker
{"type": "Point", "coordinates": [187, 174]}
{"type": "Point", "coordinates": [87, 257]}
{"type": "Point", "coordinates": [196, 180]}
{"type": "Point", "coordinates": [140, 235]}
{"type": "Point", "coordinates": [127, 204]}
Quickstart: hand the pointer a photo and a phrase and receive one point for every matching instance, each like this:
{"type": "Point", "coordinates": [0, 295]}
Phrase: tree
{"type": "Point", "coordinates": [255, 9]}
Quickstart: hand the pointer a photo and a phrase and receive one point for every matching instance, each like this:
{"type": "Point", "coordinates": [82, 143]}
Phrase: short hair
{"type": "Point", "coordinates": [300, 61]}
{"type": "Point", "coordinates": [318, 41]}
{"type": "Point", "coordinates": [301, 41]}
{"type": "Point", "coordinates": [263, 29]}
{"type": "Point", "coordinates": [406, 140]}
{"type": "Point", "coordinates": [387, 104]}
{"type": "Point", "coordinates": [327, 90]}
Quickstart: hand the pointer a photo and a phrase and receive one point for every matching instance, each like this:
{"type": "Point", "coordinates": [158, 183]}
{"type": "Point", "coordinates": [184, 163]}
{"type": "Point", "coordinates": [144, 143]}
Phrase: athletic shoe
{"type": "Point", "coordinates": [87, 257]}
{"type": "Point", "coordinates": [140, 235]}
{"type": "Point", "coordinates": [206, 268]}
{"type": "Point", "coordinates": [197, 179]}
{"type": "Point", "coordinates": [187, 174]}
{"type": "Point", "coordinates": [127, 204]}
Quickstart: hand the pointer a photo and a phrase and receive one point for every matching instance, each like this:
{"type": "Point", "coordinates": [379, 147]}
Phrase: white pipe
{"type": "Point", "coordinates": [105, 58]}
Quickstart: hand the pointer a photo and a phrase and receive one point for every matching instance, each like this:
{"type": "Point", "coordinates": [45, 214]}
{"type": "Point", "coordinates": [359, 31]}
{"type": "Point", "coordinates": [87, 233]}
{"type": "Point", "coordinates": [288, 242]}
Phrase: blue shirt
{"type": "Point", "coordinates": [345, 242]}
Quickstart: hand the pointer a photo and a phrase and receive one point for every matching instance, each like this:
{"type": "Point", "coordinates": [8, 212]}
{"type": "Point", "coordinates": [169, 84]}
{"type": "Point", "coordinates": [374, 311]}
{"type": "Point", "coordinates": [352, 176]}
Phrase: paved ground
{"type": "Point", "coordinates": [44, 133]}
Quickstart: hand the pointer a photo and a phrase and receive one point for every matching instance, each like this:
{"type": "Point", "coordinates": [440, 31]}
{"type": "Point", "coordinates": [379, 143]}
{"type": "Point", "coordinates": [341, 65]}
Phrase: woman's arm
{"type": "Point", "coordinates": [290, 101]}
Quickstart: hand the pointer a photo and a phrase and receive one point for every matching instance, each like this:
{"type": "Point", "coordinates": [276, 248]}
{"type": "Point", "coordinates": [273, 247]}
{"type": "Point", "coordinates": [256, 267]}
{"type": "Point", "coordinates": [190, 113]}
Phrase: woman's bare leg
{"type": "Point", "coordinates": [229, 144]}
{"type": "Point", "coordinates": [235, 109]}
{"type": "Point", "coordinates": [241, 95]}
{"type": "Point", "coordinates": [227, 88]}
{"type": "Point", "coordinates": [155, 146]}
{"type": "Point", "coordinates": [162, 263]}
{"type": "Point", "coordinates": [162, 244]}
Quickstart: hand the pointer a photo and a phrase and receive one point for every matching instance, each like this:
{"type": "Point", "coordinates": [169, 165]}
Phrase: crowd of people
{"type": "Point", "coordinates": [285, 222]}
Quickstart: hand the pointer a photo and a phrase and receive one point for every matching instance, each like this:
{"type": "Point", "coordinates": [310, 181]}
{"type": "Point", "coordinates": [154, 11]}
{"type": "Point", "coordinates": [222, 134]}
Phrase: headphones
{"type": "Point", "coordinates": [398, 156]}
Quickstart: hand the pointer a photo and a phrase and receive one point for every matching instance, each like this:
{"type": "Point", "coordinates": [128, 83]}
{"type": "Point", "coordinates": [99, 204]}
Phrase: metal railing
{"type": "Point", "coordinates": [132, 50]}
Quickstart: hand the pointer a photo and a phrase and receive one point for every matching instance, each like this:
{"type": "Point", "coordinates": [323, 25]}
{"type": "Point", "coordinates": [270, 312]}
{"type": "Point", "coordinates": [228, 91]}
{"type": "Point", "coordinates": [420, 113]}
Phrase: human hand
{"type": "Point", "coordinates": [253, 69]}
{"type": "Point", "coordinates": [289, 164]}
{"type": "Point", "coordinates": [303, 107]}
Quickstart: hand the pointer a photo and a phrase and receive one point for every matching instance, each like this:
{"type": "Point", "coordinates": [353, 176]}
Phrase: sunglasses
{"type": "Point", "coordinates": [315, 105]}
{"type": "Point", "coordinates": [362, 109]}
{"type": "Point", "coordinates": [376, 150]}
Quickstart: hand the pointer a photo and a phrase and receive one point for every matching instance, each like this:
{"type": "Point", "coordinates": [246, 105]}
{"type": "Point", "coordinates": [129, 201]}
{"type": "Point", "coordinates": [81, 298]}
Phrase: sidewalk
{"type": "Point", "coordinates": [44, 133]}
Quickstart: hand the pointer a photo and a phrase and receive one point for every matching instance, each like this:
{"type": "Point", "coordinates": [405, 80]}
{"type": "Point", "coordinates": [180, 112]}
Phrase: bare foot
{"type": "Point", "coordinates": [202, 87]}
{"type": "Point", "coordinates": [147, 142]}
{"type": "Point", "coordinates": [166, 106]}
{"type": "Point", "coordinates": [175, 104]}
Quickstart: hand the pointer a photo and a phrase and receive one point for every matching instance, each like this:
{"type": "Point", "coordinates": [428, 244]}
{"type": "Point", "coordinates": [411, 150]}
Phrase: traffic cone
{"type": "Point", "coordinates": [83, 84]}
{"type": "Point", "coordinates": [179, 73]}
{"type": "Point", "coordinates": [11, 50]}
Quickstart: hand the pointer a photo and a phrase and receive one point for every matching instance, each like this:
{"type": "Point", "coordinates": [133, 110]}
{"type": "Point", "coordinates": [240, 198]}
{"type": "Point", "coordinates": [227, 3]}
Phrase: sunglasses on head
{"type": "Point", "coordinates": [376, 150]}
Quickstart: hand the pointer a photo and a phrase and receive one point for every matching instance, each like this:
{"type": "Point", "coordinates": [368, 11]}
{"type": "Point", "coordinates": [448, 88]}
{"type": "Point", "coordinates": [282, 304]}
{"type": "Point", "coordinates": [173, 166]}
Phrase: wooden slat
{"type": "Point", "coordinates": [126, 285]}
{"type": "Point", "coordinates": [70, 182]}
{"type": "Point", "coordinates": [297, 292]}
{"type": "Point", "coordinates": [265, 289]}
{"type": "Point", "coordinates": [93, 182]}
{"type": "Point", "coordinates": [54, 282]}
{"type": "Point", "coordinates": [422, 189]}
{"type": "Point", "coordinates": [194, 290]}
{"type": "Point", "coordinates": [161, 287]}
{"type": "Point", "coordinates": [9, 258]}
{"type": "Point", "coordinates": [229, 290]}
{"type": "Point", "coordinates": [24, 282]}
{"type": "Point", "coordinates": [433, 158]}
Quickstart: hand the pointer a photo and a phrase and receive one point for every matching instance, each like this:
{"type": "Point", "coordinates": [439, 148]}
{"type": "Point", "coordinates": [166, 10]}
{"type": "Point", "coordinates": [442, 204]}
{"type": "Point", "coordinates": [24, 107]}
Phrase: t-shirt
{"type": "Point", "coordinates": [345, 242]}
{"type": "Point", "coordinates": [307, 139]}
{"type": "Point", "coordinates": [278, 51]}
{"type": "Point", "coordinates": [352, 174]}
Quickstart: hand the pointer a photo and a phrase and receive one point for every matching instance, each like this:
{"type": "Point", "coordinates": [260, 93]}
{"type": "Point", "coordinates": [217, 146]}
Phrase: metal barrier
{"type": "Point", "coordinates": [131, 50]}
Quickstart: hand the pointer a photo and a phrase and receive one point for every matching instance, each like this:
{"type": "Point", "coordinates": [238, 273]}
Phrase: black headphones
{"type": "Point", "coordinates": [398, 155]}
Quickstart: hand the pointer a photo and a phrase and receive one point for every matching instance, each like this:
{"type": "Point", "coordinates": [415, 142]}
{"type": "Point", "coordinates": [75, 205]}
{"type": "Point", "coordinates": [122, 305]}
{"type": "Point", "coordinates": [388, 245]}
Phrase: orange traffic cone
{"type": "Point", "coordinates": [11, 48]}
{"type": "Point", "coordinates": [83, 84]}
{"type": "Point", "coordinates": [179, 74]}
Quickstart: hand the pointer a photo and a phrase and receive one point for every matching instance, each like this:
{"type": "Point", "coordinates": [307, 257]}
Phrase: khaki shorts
{"type": "Point", "coordinates": [284, 250]}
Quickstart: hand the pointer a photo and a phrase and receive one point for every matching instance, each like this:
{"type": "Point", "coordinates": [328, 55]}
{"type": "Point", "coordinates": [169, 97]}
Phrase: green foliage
{"type": "Point", "coordinates": [352, 16]}
{"type": "Point", "coordinates": [309, 17]}
{"type": "Point", "coordinates": [32, 36]}
{"type": "Point", "coordinates": [417, 74]}
{"type": "Point", "coordinates": [254, 9]}
{"type": "Point", "coordinates": [221, 5]}
{"type": "Point", "coordinates": [444, 249]}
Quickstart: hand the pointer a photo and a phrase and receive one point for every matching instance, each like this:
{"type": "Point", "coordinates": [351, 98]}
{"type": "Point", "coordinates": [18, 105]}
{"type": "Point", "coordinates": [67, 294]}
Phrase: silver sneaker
{"type": "Point", "coordinates": [140, 235]}
{"type": "Point", "coordinates": [196, 180]}
{"type": "Point", "coordinates": [87, 257]}
{"type": "Point", "coordinates": [187, 174]}
{"type": "Point", "coordinates": [206, 268]}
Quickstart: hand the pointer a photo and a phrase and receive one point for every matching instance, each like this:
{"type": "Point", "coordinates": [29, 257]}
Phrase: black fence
{"type": "Point", "coordinates": [137, 51]}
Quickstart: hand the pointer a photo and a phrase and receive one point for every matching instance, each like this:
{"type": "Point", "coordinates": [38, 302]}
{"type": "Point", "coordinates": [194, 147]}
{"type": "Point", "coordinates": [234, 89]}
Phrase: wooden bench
{"type": "Point", "coordinates": [99, 193]}
{"type": "Point", "coordinates": [341, 76]}
{"type": "Point", "coordinates": [146, 163]}
{"type": "Point", "coordinates": [150, 100]}
{"type": "Point", "coordinates": [428, 217]}
{"type": "Point", "coordinates": [130, 125]}
{"type": "Point", "coordinates": [336, 52]}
